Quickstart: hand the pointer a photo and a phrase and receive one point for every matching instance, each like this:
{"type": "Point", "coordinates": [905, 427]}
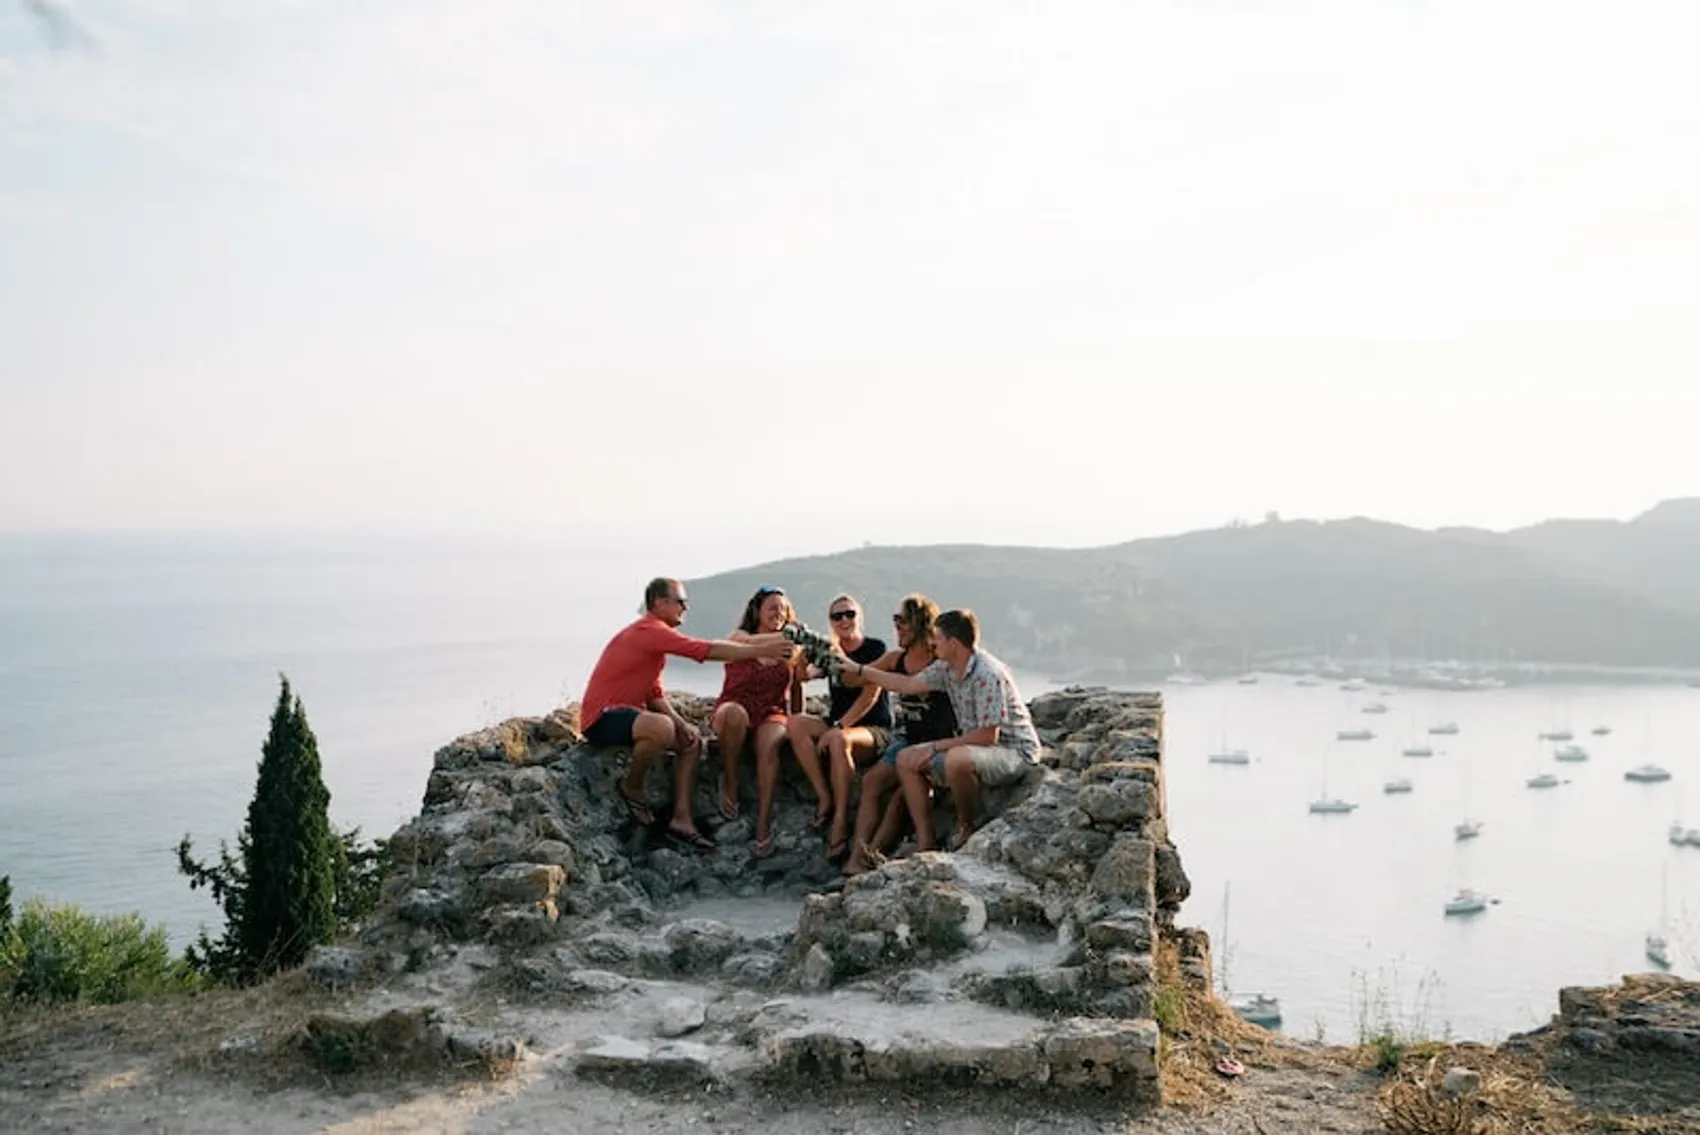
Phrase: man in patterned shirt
{"type": "Point", "coordinates": [996, 744]}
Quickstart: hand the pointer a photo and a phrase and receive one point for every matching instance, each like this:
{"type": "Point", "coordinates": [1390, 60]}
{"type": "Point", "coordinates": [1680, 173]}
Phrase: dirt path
{"type": "Point", "coordinates": [98, 1078]}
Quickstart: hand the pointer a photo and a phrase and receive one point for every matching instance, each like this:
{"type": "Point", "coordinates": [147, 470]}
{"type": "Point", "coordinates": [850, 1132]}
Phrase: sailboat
{"type": "Point", "coordinates": [1258, 1008]}
{"type": "Point", "coordinates": [1326, 805]}
{"type": "Point", "coordinates": [1658, 945]}
{"type": "Point", "coordinates": [1467, 828]}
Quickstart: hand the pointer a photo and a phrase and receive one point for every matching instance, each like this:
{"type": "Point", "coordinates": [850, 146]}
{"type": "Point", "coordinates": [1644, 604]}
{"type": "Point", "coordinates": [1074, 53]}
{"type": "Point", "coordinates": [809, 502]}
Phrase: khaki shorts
{"type": "Point", "coordinates": [994, 765]}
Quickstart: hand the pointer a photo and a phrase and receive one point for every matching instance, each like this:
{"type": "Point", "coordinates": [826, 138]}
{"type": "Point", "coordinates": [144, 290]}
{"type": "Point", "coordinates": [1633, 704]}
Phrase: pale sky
{"type": "Point", "coordinates": [894, 271]}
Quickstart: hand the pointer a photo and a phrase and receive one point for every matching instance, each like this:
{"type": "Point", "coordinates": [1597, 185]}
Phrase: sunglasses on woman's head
{"type": "Point", "coordinates": [764, 592]}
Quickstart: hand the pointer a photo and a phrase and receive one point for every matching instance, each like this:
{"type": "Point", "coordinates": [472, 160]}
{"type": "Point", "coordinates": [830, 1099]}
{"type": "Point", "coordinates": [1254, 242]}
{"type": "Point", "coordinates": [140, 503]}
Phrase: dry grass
{"type": "Point", "coordinates": [1515, 1096]}
{"type": "Point", "coordinates": [1198, 1028]}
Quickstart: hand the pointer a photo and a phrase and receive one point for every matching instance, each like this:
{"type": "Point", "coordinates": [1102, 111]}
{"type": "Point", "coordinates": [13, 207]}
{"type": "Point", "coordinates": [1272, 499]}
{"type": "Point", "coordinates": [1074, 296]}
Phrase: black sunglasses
{"type": "Point", "coordinates": [682, 601]}
{"type": "Point", "coordinates": [764, 592]}
{"type": "Point", "coordinates": [837, 616]}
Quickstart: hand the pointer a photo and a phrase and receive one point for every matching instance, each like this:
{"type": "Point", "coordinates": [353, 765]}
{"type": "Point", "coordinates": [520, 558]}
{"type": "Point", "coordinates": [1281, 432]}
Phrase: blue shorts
{"type": "Point", "coordinates": [613, 727]}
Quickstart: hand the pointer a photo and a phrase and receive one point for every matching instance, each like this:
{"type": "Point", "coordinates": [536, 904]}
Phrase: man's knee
{"type": "Point", "coordinates": [959, 767]}
{"type": "Point", "coordinates": [654, 728]}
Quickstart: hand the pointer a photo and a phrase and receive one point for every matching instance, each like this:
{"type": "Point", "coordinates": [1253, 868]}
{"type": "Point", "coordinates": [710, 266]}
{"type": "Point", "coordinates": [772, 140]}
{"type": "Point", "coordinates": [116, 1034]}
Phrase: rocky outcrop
{"type": "Point", "coordinates": [1050, 914]}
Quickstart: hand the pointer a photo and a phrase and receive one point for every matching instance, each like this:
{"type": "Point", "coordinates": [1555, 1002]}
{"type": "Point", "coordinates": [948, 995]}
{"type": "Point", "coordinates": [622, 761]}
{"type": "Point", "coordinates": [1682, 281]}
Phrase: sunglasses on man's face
{"type": "Point", "coordinates": [682, 601]}
{"type": "Point", "coordinates": [841, 616]}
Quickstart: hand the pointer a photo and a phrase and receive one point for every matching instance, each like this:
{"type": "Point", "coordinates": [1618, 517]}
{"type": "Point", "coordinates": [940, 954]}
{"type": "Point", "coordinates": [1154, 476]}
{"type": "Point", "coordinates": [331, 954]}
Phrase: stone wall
{"type": "Point", "coordinates": [1050, 914]}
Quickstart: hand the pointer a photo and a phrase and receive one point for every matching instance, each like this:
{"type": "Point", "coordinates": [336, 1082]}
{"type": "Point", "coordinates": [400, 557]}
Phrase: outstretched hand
{"type": "Point", "coordinates": [778, 648]}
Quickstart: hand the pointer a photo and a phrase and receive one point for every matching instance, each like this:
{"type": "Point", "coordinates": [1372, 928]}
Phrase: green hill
{"type": "Point", "coordinates": [1580, 592]}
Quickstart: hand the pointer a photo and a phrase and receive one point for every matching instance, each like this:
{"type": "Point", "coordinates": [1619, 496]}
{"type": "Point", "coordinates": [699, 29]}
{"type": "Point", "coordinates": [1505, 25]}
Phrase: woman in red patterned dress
{"type": "Point", "coordinates": [756, 702]}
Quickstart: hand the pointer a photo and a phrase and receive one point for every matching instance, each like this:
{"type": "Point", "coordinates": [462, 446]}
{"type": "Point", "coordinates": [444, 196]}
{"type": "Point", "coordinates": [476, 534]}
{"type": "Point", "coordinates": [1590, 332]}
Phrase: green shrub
{"type": "Point", "coordinates": [63, 953]}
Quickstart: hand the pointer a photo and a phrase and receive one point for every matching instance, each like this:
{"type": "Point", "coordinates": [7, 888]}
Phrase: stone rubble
{"type": "Point", "coordinates": [1045, 922]}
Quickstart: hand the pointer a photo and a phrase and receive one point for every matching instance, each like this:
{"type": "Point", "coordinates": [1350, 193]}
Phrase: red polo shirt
{"type": "Point", "coordinates": [628, 675]}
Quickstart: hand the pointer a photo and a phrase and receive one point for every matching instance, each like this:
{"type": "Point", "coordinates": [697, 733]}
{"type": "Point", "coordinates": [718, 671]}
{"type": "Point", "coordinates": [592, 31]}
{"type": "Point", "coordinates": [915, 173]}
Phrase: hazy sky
{"type": "Point", "coordinates": [865, 270]}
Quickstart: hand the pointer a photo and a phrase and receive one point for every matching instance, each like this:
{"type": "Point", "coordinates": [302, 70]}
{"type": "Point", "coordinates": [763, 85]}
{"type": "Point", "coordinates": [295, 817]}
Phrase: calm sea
{"type": "Point", "coordinates": [137, 674]}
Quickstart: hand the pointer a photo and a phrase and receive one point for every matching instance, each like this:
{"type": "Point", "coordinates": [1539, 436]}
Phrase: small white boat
{"type": "Point", "coordinates": [1557, 735]}
{"type": "Point", "coordinates": [1331, 806]}
{"type": "Point", "coordinates": [1467, 901]}
{"type": "Point", "coordinates": [1572, 753]}
{"type": "Point", "coordinates": [1308, 680]}
{"type": "Point", "coordinates": [1247, 679]}
{"type": "Point", "coordinates": [1444, 729]}
{"type": "Point", "coordinates": [1658, 946]}
{"type": "Point", "coordinates": [1352, 684]}
{"type": "Point", "coordinates": [1182, 678]}
{"type": "Point", "coordinates": [1544, 780]}
{"type": "Point", "coordinates": [1230, 757]}
{"type": "Point", "coordinates": [1354, 735]}
{"type": "Point", "coordinates": [1258, 1008]}
{"type": "Point", "coordinates": [1467, 829]}
{"type": "Point", "coordinates": [1416, 751]}
{"type": "Point", "coordinates": [1602, 731]}
{"type": "Point", "coordinates": [1374, 707]}
{"type": "Point", "coordinates": [1681, 836]}
{"type": "Point", "coordinates": [1647, 774]}
{"type": "Point", "coordinates": [1396, 786]}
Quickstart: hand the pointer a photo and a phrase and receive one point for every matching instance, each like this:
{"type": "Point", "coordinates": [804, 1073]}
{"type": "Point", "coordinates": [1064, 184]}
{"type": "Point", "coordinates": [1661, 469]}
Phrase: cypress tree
{"type": "Point", "coordinates": [290, 851]}
{"type": "Point", "coordinates": [5, 901]}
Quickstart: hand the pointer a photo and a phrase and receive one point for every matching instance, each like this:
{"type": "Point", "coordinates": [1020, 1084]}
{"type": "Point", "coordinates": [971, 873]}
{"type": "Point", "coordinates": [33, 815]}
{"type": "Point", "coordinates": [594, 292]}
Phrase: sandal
{"type": "Point", "coordinates": [764, 846]}
{"type": "Point", "coordinates": [639, 809]}
{"type": "Point", "coordinates": [694, 840]}
{"type": "Point", "coordinates": [728, 812]}
{"type": "Point", "coordinates": [838, 852]}
{"type": "Point", "coordinates": [822, 818]}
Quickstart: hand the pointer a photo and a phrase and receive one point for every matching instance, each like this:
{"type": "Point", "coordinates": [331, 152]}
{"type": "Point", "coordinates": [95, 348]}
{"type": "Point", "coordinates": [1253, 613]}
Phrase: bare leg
{"type": "Point", "coordinates": [964, 789]}
{"type": "Point", "coordinates": [891, 823]}
{"type": "Point", "coordinates": [804, 731]}
{"type": "Point", "coordinates": [651, 734]}
{"type": "Point", "coordinates": [841, 746]}
{"type": "Point", "coordinates": [731, 725]}
{"type": "Point", "coordinates": [768, 736]}
{"type": "Point", "coordinates": [914, 769]}
{"type": "Point", "coordinates": [880, 779]}
{"type": "Point", "coordinates": [685, 783]}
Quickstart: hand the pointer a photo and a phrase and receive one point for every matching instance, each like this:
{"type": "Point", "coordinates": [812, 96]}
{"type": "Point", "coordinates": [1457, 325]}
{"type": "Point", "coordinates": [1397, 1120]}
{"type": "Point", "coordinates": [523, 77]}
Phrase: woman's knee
{"type": "Point", "coordinates": [730, 715]}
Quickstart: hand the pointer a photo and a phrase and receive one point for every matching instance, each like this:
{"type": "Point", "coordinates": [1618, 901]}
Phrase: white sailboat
{"type": "Point", "coordinates": [1326, 805]}
{"type": "Point", "coordinates": [1444, 729]}
{"type": "Point", "coordinates": [1258, 1008]}
{"type": "Point", "coordinates": [1394, 787]}
{"type": "Point", "coordinates": [1543, 780]}
{"type": "Point", "coordinates": [1658, 944]}
{"type": "Point", "coordinates": [1574, 754]}
{"type": "Point", "coordinates": [1467, 828]}
{"type": "Point", "coordinates": [1647, 774]}
{"type": "Point", "coordinates": [1467, 901]}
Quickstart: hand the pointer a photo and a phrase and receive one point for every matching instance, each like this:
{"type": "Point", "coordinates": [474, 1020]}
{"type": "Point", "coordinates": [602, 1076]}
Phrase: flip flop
{"type": "Point", "coordinates": [821, 820]}
{"type": "Point", "coordinates": [728, 812]}
{"type": "Point", "coordinates": [838, 852]}
{"type": "Point", "coordinates": [639, 809]}
{"type": "Point", "coordinates": [764, 846]}
{"type": "Point", "coordinates": [696, 841]}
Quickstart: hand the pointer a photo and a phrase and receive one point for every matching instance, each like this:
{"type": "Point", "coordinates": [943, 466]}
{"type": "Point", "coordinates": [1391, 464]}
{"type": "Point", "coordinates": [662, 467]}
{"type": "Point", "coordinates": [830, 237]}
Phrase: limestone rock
{"type": "Point", "coordinates": [1127, 871]}
{"type": "Point", "coordinates": [335, 966]}
{"type": "Point", "coordinates": [680, 1015]}
{"type": "Point", "coordinates": [636, 1064]}
{"type": "Point", "coordinates": [1106, 1054]}
{"type": "Point", "coordinates": [1460, 1081]}
{"type": "Point", "coordinates": [521, 883]}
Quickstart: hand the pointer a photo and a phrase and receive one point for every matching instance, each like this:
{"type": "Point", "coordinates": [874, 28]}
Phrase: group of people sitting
{"type": "Point", "coordinates": [933, 711]}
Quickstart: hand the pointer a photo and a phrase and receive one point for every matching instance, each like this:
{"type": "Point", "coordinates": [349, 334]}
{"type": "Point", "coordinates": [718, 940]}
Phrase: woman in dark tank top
{"type": "Point", "coordinates": [918, 719]}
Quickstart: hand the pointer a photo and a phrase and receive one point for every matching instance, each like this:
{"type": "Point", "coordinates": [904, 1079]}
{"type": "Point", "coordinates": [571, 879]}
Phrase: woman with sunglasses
{"type": "Point", "coordinates": [856, 729]}
{"type": "Point", "coordinates": [919, 718]}
{"type": "Point", "coordinates": [755, 702]}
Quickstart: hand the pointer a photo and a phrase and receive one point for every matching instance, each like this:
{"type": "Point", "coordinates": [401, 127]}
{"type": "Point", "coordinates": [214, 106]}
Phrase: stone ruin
{"type": "Point", "coordinates": [1024, 959]}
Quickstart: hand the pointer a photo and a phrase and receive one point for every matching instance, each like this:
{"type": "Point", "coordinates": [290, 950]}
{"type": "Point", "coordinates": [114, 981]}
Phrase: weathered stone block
{"type": "Point", "coordinates": [1127, 871]}
{"type": "Point", "coordinates": [521, 883]}
{"type": "Point", "coordinates": [1113, 1055]}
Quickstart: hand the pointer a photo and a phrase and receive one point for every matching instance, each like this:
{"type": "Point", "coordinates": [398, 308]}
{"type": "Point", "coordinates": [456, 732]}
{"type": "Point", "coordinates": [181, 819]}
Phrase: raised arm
{"type": "Point", "coordinates": [886, 680]}
{"type": "Point", "coordinates": [752, 646]}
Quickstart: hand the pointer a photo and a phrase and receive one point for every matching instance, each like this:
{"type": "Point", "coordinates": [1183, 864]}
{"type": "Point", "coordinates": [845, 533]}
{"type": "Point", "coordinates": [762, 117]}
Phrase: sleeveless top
{"type": "Point", "coordinates": [843, 697]}
{"type": "Point", "coordinates": [759, 687]}
{"type": "Point", "coordinates": [924, 717]}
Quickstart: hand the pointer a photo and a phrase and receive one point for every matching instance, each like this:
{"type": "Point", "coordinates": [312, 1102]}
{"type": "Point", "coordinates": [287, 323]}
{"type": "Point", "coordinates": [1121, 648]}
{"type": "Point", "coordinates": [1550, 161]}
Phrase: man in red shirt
{"type": "Point", "coordinates": [624, 703]}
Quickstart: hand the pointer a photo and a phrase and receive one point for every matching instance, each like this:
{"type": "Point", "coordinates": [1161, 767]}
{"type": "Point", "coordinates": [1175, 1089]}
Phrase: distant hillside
{"type": "Point", "coordinates": [1565, 591]}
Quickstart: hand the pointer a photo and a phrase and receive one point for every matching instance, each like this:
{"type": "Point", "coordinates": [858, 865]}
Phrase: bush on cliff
{"type": "Point", "coordinates": [62, 953]}
{"type": "Point", "coordinates": [293, 882]}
